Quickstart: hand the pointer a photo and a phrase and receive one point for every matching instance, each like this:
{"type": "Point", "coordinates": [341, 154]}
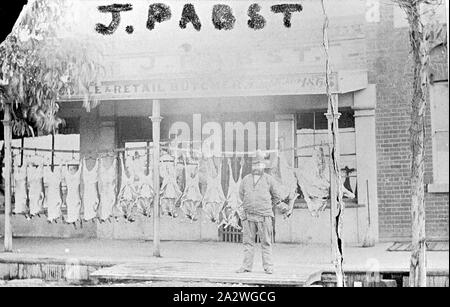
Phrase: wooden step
{"type": "Point", "coordinates": [212, 272]}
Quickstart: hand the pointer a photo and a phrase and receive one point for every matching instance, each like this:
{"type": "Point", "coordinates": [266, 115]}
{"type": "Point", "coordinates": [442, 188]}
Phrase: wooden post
{"type": "Point", "coordinates": [53, 152]}
{"type": "Point", "coordinates": [332, 249]}
{"type": "Point", "coordinates": [7, 172]}
{"type": "Point", "coordinates": [148, 157]}
{"type": "Point", "coordinates": [336, 203]}
{"type": "Point", "coordinates": [156, 120]}
{"type": "Point", "coordinates": [22, 144]}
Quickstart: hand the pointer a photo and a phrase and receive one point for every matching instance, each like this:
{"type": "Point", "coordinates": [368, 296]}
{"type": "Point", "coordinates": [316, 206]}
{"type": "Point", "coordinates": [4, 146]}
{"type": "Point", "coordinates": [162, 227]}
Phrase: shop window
{"type": "Point", "coordinates": [439, 131]}
{"type": "Point", "coordinates": [67, 138]}
{"type": "Point", "coordinates": [134, 129]}
{"type": "Point", "coordinates": [70, 126]}
{"type": "Point", "coordinates": [312, 131]}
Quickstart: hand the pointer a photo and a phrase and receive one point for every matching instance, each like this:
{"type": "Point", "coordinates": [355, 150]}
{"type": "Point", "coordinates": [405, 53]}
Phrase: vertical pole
{"type": "Point", "coordinates": [332, 194]}
{"type": "Point", "coordinates": [156, 120]}
{"type": "Point", "coordinates": [22, 141]}
{"type": "Point", "coordinates": [53, 152]}
{"type": "Point", "coordinates": [148, 157]}
{"type": "Point", "coordinates": [336, 203]}
{"type": "Point", "coordinates": [7, 172]}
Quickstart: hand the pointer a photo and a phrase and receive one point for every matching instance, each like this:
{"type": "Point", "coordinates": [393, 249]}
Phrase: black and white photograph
{"type": "Point", "coordinates": [224, 150]}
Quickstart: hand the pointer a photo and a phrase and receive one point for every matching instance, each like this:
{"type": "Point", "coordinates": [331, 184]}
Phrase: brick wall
{"type": "Point", "coordinates": [389, 66]}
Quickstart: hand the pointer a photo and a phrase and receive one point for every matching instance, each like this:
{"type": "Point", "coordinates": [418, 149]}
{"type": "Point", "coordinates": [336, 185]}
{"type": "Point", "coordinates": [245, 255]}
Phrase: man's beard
{"type": "Point", "coordinates": [257, 172]}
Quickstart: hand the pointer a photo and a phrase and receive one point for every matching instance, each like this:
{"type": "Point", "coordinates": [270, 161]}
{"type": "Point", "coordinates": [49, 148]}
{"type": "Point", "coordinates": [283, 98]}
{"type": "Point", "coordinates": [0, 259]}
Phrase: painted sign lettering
{"type": "Point", "coordinates": [222, 16]}
{"type": "Point", "coordinates": [228, 48]}
{"type": "Point", "coordinates": [232, 86]}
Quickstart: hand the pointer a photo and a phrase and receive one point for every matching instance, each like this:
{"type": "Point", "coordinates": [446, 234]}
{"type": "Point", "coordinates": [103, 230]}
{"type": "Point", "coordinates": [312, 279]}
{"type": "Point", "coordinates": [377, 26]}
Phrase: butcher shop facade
{"type": "Point", "coordinates": [229, 95]}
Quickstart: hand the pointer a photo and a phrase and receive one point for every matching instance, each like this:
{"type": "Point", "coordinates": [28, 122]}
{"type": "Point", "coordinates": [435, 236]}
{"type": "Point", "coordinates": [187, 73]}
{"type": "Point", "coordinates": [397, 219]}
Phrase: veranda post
{"type": "Point", "coordinates": [7, 175]}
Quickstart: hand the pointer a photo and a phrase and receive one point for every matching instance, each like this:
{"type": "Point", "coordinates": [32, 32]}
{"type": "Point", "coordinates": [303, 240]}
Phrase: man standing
{"type": "Point", "coordinates": [259, 193]}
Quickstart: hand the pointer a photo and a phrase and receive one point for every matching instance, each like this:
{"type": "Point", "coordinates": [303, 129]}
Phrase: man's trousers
{"type": "Point", "coordinates": [264, 227]}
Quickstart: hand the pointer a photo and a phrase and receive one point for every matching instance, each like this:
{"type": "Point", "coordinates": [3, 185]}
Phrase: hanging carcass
{"type": "Point", "coordinates": [313, 179]}
{"type": "Point", "coordinates": [170, 191]}
{"type": "Point", "coordinates": [107, 188]}
{"type": "Point", "coordinates": [192, 197]}
{"type": "Point", "coordinates": [214, 197]}
{"type": "Point", "coordinates": [285, 176]}
{"type": "Point", "coordinates": [146, 193]}
{"type": "Point", "coordinates": [127, 201]}
{"type": "Point", "coordinates": [232, 208]}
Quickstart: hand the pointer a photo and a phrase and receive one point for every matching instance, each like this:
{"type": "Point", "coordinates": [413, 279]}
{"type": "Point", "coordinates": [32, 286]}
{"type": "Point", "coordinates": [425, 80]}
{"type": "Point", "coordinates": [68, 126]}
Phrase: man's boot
{"type": "Point", "coordinates": [269, 271]}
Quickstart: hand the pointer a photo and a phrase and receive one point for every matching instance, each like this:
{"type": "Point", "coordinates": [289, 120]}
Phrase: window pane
{"type": "Point", "coordinates": [321, 121]}
{"type": "Point", "coordinates": [305, 121]}
{"type": "Point", "coordinates": [439, 103]}
{"type": "Point", "coordinates": [71, 126]}
{"type": "Point", "coordinates": [442, 156]}
{"type": "Point", "coordinates": [347, 120]}
{"type": "Point", "coordinates": [347, 141]}
{"type": "Point", "coordinates": [439, 124]}
{"type": "Point", "coordinates": [135, 129]}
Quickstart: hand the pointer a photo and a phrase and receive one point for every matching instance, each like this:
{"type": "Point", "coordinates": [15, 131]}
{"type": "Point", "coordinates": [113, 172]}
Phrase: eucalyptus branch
{"type": "Point", "coordinates": [38, 66]}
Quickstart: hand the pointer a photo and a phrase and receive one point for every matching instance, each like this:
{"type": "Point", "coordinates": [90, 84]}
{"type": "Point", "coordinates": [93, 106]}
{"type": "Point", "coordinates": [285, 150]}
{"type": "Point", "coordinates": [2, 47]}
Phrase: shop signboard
{"type": "Point", "coordinates": [177, 49]}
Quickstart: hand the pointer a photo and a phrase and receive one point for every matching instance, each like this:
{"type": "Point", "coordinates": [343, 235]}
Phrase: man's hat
{"type": "Point", "coordinates": [259, 159]}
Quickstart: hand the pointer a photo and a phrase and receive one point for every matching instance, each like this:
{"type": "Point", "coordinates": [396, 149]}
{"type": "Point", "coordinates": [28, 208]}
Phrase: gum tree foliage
{"type": "Point", "coordinates": [40, 62]}
{"type": "Point", "coordinates": [425, 33]}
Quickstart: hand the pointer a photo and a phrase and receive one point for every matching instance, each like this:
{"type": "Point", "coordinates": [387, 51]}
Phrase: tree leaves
{"type": "Point", "coordinates": [39, 66]}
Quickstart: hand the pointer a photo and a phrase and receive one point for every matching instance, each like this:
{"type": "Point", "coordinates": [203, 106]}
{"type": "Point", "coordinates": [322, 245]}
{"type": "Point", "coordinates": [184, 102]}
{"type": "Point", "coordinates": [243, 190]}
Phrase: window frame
{"type": "Point", "coordinates": [437, 185]}
{"type": "Point", "coordinates": [314, 112]}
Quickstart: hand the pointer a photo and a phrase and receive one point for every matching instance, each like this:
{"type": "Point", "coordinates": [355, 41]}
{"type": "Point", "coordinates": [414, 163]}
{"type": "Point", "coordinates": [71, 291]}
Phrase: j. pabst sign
{"type": "Point", "coordinates": [222, 16]}
{"type": "Point", "coordinates": [207, 48]}
{"type": "Point", "coordinates": [228, 138]}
